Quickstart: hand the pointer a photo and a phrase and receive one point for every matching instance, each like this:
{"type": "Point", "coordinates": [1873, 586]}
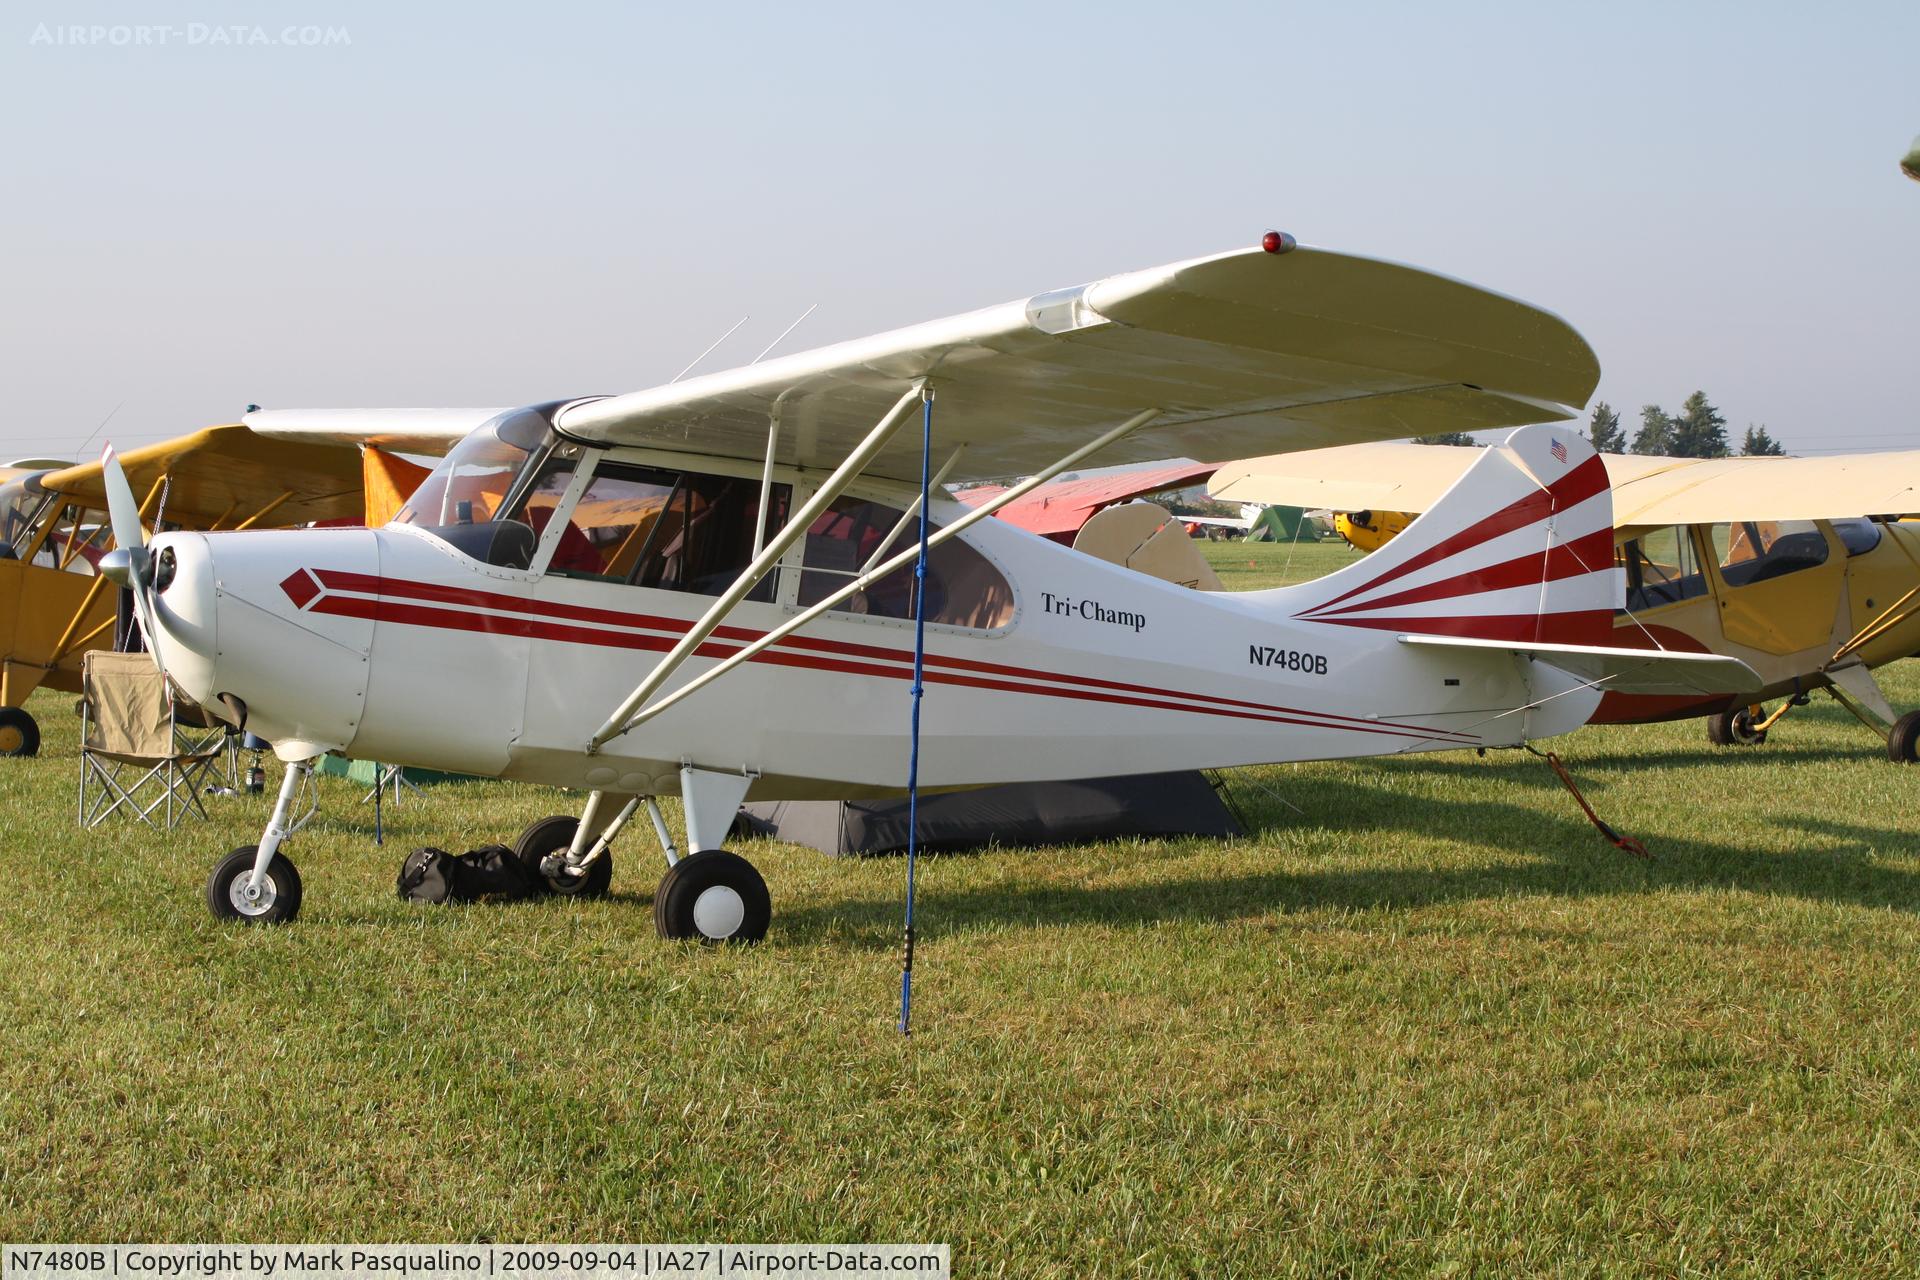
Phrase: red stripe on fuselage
{"type": "Point", "coordinates": [424, 615]}
{"type": "Point", "coordinates": [536, 620]}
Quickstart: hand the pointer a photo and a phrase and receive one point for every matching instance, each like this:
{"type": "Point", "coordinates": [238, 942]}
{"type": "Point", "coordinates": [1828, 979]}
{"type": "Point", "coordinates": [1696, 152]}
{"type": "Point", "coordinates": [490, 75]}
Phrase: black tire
{"type": "Point", "coordinates": [737, 911]}
{"type": "Point", "coordinates": [1903, 741]}
{"type": "Point", "coordinates": [1734, 729]}
{"type": "Point", "coordinates": [280, 899]}
{"type": "Point", "coordinates": [19, 732]}
{"type": "Point", "coordinates": [554, 835]}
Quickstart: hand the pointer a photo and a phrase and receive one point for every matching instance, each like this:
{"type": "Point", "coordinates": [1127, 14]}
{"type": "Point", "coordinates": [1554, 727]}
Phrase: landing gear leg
{"type": "Point", "coordinates": [256, 884]}
{"type": "Point", "coordinates": [566, 854]}
{"type": "Point", "coordinates": [711, 894]}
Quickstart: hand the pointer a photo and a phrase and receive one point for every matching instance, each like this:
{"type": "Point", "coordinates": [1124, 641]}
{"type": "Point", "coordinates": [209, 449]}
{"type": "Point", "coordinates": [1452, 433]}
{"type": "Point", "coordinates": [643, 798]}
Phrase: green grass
{"type": "Point", "coordinates": [1422, 1021]}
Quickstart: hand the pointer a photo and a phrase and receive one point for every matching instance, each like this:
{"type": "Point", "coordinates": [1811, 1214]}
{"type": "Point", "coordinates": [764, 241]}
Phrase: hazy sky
{"type": "Point", "coordinates": [481, 204]}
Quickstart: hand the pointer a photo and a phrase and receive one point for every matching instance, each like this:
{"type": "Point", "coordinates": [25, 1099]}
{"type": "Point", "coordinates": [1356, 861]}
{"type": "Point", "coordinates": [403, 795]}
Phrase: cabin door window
{"type": "Point", "coordinates": [1780, 583]}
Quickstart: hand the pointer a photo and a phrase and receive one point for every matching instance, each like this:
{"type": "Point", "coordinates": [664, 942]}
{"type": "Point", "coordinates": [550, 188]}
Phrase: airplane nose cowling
{"type": "Point", "coordinates": [256, 617]}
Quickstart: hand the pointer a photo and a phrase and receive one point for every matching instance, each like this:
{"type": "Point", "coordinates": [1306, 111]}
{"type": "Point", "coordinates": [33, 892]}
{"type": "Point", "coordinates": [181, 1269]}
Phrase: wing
{"type": "Point", "coordinates": [1065, 505]}
{"type": "Point", "coordinates": [1722, 490]}
{"type": "Point", "coordinates": [429, 431]}
{"type": "Point", "coordinates": [1646, 490]}
{"type": "Point", "coordinates": [1242, 352]}
{"type": "Point", "coordinates": [229, 475]}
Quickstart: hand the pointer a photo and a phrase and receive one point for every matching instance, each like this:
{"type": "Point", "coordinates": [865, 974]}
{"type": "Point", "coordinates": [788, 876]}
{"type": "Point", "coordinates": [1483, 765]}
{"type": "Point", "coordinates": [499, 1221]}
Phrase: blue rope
{"type": "Point", "coordinates": [919, 663]}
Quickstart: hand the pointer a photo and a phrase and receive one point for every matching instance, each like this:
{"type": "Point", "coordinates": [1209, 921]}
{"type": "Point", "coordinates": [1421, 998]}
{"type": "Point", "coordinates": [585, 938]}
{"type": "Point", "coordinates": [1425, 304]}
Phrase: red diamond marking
{"type": "Point", "coordinates": [301, 587]}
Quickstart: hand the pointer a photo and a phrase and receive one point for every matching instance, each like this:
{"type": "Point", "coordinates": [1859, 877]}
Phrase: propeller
{"type": "Point", "coordinates": [130, 564]}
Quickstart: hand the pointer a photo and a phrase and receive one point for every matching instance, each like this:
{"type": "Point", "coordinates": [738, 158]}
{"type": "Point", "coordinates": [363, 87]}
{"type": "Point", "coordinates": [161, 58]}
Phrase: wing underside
{"type": "Point", "coordinates": [1647, 490]}
{"type": "Point", "coordinates": [1241, 352]}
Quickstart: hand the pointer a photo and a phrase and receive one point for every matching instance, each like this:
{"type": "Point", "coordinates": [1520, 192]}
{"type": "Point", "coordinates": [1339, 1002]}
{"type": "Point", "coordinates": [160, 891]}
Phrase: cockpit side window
{"type": "Point", "coordinates": [697, 536]}
{"type": "Point", "coordinates": [1662, 568]}
{"type": "Point", "coordinates": [1757, 550]}
{"type": "Point", "coordinates": [964, 589]}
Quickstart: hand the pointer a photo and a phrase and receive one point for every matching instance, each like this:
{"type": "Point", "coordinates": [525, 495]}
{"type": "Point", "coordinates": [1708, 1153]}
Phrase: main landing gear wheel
{"type": "Point", "coordinates": [714, 896]}
{"type": "Point", "coordinates": [551, 837]}
{"type": "Point", "coordinates": [229, 896]}
{"type": "Point", "coordinates": [1903, 742]}
{"type": "Point", "coordinates": [19, 732]}
{"type": "Point", "coordinates": [1735, 729]}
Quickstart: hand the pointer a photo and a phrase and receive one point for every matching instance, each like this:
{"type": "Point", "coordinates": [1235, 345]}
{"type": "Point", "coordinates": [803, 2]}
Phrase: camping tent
{"type": "Point", "coordinates": [1283, 524]}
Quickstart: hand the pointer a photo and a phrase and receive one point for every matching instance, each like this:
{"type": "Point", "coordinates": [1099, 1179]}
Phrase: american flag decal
{"type": "Point", "coordinates": [1558, 450]}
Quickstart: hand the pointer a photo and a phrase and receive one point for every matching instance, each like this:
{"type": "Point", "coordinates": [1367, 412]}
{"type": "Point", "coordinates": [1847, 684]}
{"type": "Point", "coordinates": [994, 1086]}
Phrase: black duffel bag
{"type": "Point", "coordinates": [492, 871]}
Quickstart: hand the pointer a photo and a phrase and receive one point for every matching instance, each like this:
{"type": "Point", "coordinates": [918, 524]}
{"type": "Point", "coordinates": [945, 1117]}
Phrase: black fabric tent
{"type": "Point", "coordinates": [1019, 813]}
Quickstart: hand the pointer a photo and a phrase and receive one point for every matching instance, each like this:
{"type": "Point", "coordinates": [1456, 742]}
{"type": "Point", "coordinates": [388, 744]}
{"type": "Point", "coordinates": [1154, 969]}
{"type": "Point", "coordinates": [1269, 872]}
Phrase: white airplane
{"type": "Point", "coordinates": [707, 587]}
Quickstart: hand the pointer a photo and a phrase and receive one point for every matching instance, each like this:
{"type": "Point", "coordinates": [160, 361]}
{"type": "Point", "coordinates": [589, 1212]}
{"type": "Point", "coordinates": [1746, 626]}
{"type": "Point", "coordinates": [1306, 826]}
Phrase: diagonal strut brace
{"type": "Point", "coordinates": [639, 715]}
{"type": "Point", "coordinates": [798, 523]}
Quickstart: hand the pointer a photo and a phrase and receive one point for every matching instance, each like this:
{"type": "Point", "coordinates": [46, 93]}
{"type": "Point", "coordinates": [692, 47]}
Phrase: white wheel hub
{"type": "Point", "coordinates": [246, 900]}
{"type": "Point", "coordinates": [718, 912]}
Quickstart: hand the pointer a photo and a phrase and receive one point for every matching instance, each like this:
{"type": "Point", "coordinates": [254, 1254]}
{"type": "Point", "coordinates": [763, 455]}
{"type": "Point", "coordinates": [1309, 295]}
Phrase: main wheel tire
{"type": "Point", "coordinates": [1903, 741]}
{"type": "Point", "coordinates": [555, 835]}
{"type": "Point", "coordinates": [19, 732]}
{"type": "Point", "coordinates": [714, 896]}
{"type": "Point", "coordinates": [279, 898]}
{"type": "Point", "coordinates": [1734, 729]}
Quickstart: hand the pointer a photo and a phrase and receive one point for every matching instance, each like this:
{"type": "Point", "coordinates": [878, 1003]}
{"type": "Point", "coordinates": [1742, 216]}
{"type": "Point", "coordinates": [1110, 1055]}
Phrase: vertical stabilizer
{"type": "Point", "coordinates": [1520, 548]}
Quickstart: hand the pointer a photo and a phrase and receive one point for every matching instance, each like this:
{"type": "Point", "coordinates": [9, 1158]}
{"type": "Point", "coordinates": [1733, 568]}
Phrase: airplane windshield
{"type": "Point", "coordinates": [471, 482]}
{"type": "Point", "coordinates": [17, 511]}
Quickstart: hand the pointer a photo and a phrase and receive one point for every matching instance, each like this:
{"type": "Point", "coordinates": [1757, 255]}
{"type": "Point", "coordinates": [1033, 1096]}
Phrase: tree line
{"type": "Point", "coordinates": [1699, 430]}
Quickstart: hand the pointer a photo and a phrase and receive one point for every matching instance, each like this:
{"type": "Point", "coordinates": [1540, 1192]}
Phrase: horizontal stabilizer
{"type": "Point", "coordinates": [1657, 671]}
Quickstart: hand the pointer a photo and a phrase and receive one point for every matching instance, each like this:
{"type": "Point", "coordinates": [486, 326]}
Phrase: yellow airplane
{"type": "Point", "coordinates": [1774, 561]}
{"type": "Point", "coordinates": [1370, 530]}
{"type": "Point", "coordinates": [54, 606]}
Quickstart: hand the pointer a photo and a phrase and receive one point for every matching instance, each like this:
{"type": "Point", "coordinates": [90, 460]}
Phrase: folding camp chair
{"type": "Point", "coordinates": [132, 747]}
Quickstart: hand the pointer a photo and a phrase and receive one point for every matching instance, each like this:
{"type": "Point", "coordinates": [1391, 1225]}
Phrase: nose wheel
{"type": "Point", "coordinates": [714, 896]}
{"type": "Point", "coordinates": [19, 732]}
{"type": "Point", "coordinates": [233, 894]}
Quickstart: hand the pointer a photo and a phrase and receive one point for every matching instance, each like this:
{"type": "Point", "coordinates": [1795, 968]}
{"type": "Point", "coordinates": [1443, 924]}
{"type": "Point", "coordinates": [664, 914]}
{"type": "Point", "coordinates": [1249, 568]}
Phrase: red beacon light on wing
{"type": "Point", "coordinates": [1278, 242]}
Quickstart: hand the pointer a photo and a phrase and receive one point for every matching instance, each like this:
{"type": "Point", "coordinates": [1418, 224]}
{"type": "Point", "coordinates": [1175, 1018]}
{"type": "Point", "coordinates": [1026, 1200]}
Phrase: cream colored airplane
{"type": "Point", "coordinates": [749, 608]}
{"type": "Point", "coordinates": [1769, 560]}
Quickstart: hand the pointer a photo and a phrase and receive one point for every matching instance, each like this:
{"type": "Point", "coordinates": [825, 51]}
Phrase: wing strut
{"type": "Point", "coordinates": [632, 715]}
{"type": "Point", "coordinates": [769, 556]}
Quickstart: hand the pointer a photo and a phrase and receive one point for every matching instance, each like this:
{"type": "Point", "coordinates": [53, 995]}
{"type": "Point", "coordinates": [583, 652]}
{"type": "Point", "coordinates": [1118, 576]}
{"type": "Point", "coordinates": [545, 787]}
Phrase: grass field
{"type": "Point", "coordinates": [1422, 1021]}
